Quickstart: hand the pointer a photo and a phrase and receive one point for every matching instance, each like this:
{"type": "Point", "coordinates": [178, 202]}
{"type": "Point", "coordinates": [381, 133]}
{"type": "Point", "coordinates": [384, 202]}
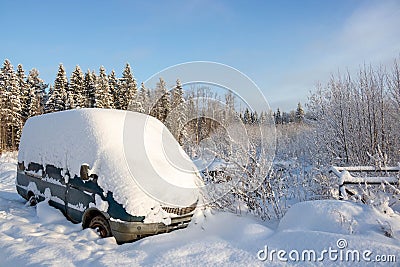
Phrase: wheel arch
{"type": "Point", "coordinates": [90, 213]}
{"type": "Point", "coordinates": [29, 194]}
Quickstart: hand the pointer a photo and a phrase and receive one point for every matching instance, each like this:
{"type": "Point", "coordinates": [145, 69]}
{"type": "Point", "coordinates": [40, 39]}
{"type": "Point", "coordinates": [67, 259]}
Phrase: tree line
{"type": "Point", "coordinates": [352, 119]}
{"type": "Point", "coordinates": [298, 115]}
{"type": "Point", "coordinates": [23, 96]}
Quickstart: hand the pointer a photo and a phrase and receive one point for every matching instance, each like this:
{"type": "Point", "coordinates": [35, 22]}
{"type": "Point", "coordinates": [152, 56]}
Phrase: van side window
{"type": "Point", "coordinates": [55, 173]}
{"type": "Point", "coordinates": [34, 170]}
{"type": "Point", "coordinates": [34, 167]}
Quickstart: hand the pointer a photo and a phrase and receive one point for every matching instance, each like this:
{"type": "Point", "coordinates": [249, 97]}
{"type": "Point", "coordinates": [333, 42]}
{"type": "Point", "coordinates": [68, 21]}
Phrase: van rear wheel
{"type": "Point", "coordinates": [101, 225]}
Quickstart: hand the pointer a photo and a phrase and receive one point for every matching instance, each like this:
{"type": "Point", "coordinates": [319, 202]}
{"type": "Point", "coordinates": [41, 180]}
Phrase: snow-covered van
{"type": "Point", "coordinates": [109, 170]}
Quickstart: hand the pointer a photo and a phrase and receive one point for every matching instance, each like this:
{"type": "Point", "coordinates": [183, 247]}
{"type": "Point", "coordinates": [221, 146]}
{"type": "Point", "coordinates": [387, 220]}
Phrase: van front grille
{"type": "Point", "coordinates": [179, 211]}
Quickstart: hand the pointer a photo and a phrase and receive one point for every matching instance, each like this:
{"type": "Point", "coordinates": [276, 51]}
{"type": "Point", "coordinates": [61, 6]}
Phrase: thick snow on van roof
{"type": "Point", "coordinates": [133, 154]}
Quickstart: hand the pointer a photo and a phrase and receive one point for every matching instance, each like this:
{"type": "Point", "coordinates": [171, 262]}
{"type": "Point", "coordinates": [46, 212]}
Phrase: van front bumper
{"type": "Point", "coordinates": [131, 231]}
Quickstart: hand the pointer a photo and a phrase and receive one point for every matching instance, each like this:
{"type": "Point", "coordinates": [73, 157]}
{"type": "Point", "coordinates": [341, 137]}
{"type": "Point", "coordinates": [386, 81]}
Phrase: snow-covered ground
{"type": "Point", "coordinates": [41, 236]}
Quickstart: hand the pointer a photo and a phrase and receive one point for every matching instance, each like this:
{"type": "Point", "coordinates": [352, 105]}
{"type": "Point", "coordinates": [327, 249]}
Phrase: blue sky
{"type": "Point", "coordinates": [284, 46]}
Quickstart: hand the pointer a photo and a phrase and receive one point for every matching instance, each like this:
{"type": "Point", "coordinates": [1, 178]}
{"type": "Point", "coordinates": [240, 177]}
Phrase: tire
{"type": "Point", "coordinates": [32, 201]}
{"type": "Point", "coordinates": [101, 225]}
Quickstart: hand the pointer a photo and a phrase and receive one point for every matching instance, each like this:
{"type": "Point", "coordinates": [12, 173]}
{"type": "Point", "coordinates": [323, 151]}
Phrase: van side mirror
{"type": "Point", "coordinates": [84, 172]}
{"type": "Point", "coordinates": [21, 166]}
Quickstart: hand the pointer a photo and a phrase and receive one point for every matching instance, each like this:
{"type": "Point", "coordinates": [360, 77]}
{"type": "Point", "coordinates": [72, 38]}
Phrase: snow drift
{"type": "Point", "coordinates": [33, 236]}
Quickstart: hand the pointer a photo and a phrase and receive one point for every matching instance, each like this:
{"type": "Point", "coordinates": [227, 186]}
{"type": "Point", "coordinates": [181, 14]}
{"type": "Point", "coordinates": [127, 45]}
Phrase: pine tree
{"type": "Point", "coordinates": [38, 86]}
{"type": "Point", "coordinates": [58, 97]}
{"type": "Point", "coordinates": [299, 115]}
{"type": "Point", "coordinates": [102, 92]}
{"type": "Point", "coordinates": [114, 90]}
{"type": "Point", "coordinates": [161, 107]}
{"type": "Point", "coordinates": [89, 89]}
{"type": "Point", "coordinates": [76, 90]}
{"type": "Point", "coordinates": [128, 87]}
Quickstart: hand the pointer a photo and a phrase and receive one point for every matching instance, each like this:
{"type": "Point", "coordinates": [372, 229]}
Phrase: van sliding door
{"type": "Point", "coordinates": [55, 181]}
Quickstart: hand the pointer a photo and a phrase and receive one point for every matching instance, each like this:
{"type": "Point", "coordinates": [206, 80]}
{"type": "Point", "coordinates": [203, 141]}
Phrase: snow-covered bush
{"type": "Point", "coordinates": [356, 117]}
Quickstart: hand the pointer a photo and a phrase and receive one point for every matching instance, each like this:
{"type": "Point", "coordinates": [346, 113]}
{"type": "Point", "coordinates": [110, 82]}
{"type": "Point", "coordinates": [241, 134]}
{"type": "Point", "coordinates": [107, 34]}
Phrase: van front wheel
{"type": "Point", "coordinates": [32, 200]}
{"type": "Point", "coordinates": [101, 225]}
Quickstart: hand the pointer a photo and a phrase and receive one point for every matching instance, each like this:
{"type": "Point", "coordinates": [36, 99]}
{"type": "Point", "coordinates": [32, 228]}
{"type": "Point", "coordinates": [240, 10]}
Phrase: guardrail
{"type": "Point", "coordinates": [346, 178]}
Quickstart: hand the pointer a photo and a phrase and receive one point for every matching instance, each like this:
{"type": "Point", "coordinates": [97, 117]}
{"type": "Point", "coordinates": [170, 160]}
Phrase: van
{"type": "Point", "coordinates": [119, 172]}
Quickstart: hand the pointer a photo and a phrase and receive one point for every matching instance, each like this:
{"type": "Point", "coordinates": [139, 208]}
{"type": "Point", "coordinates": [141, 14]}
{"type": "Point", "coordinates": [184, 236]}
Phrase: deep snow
{"type": "Point", "coordinates": [42, 236]}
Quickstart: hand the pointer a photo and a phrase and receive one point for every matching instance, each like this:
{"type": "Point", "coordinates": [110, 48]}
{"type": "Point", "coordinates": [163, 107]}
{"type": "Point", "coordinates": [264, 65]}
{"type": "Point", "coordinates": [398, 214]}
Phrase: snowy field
{"type": "Point", "coordinates": [333, 230]}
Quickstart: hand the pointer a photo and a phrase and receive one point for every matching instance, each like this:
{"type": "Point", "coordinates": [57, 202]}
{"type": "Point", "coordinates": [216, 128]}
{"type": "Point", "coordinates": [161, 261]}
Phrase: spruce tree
{"type": "Point", "coordinates": [21, 80]}
{"type": "Point", "coordinates": [135, 105]}
{"type": "Point", "coordinates": [278, 117]}
{"type": "Point", "coordinates": [49, 93]}
{"type": "Point", "coordinates": [229, 107]}
{"type": "Point", "coordinates": [76, 90]}
{"type": "Point", "coordinates": [178, 109]}
{"type": "Point", "coordinates": [299, 115]}
{"type": "Point", "coordinates": [58, 97]}
{"type": "Point", "coordinates": [161, 107]}
{"type": "Point", "coordinates": [89, 89]}
{"type": "Point", "coordinates": [3, 112]}
{"type": "Point", "coordinates": [263, 117]}
{"type": "Point", "coordinates": [144, 98]}
{"type": "Point", "coordinates": [30, 102]}
{"type": "Point", "coordinates": [11, 107]}
{"type": "Point", "coordinates": [38, 86]}
{"type": "Point", "coordinates": [25, 93]}
{"type": "Point", "coordinates": [114, 90]}
{"type": "Point", "coordinates": [285, 117]}
{"type": "Point", "coordinates": [128, 88]}
{"type": "Point", "coordinates": [247, 116]}
{"type": "Point", "coordinates": [102, 92]}
{"type": "Point", "coordinates": [255, 118]}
